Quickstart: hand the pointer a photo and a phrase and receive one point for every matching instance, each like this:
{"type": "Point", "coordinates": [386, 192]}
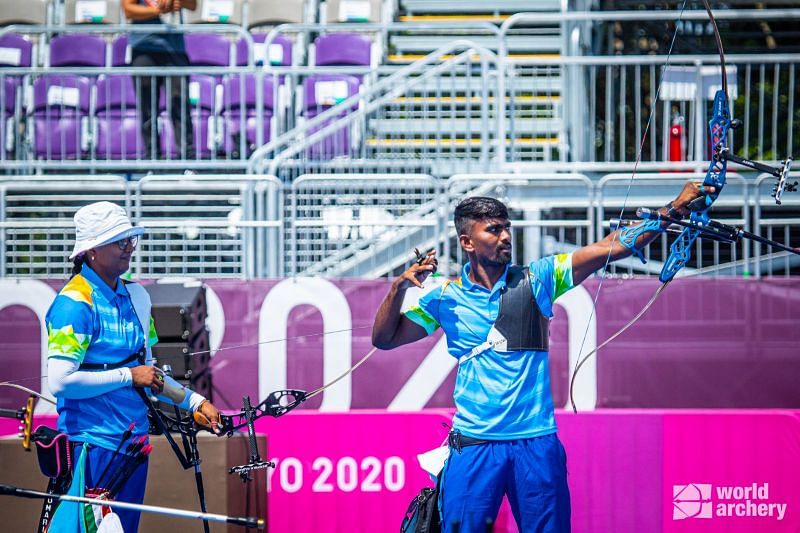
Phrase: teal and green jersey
{"type": "Point", "coordinates": [89, 322]}
{"type": "Point", "coordinates": [498, 395]}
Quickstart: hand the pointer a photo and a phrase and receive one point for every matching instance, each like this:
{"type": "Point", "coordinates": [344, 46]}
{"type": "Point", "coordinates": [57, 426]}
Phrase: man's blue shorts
{"type": "Point", "coordinates": [531, 472]}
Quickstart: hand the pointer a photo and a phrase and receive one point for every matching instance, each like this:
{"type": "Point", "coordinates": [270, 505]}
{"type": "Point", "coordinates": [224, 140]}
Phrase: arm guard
{"type": "Point", "coordinates": [629, 235]}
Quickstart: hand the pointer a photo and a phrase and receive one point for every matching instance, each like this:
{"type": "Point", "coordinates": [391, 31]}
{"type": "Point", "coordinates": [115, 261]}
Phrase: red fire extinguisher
{"type": "Point", "coordinates": [677, 140]}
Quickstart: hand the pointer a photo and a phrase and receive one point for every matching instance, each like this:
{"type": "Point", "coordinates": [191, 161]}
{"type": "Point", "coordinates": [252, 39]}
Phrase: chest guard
{"type": "Point", "coordinates": [520, 324]}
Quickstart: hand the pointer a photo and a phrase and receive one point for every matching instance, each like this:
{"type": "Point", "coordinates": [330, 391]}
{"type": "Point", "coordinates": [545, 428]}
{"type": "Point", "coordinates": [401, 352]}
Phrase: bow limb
{"type": "Point", "coordinates": [280, 402]}
{"type": "Point", "coordinates": [719, 129]}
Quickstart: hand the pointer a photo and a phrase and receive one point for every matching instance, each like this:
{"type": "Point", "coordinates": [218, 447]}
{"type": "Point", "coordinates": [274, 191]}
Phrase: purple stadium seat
{"type": "Point", "coordinates": [239, 109]}
{"type": "Point", "coordinates": [279, 54]}
{"type": "Point", "coordinates": [77, 50]}
{"type": "Point", "coordinates": [8, 116]}
{"type": "Point", "coordinates": [119, 51]}
{"type": "Point", "coordinates": [207, 49]}
{"type": "Point", "coordinates": [342, 49]}
{"type": "Point", "coordinates": [202, 95]}
{"type": "Point", "coordinates": [9, 89]}
{"type": "Point", "coordinates": [60, 116]}
{"type": "Point", "coordinates": [118, 124]}
{"type": "Point", "coordinates": [61, 102]}
{"type": "Point", "coordinates": [15, 51]}
{"type": "Point", "coordinates": [321, 92]}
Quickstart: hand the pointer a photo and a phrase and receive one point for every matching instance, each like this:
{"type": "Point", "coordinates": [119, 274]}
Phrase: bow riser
{"type": "Point", "coordinates": [719, 128]}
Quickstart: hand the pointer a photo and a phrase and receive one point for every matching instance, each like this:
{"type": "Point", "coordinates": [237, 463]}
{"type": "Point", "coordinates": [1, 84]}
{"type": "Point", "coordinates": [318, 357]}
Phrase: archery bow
{"type": "Point", "coordinates": [719, 127]}
{"type": "Point", "coordinates": [700, 223]}
{"type": "Point", "coordinates": [276, 404]}
{"type": "Point", "coordinates": [280, 402]}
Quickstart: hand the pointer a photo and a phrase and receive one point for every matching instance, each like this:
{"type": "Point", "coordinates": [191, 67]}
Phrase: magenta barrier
{"type": "Point", "coordinates": [706, 343]}
{"type": "Point", "coordinates": [629, 470]}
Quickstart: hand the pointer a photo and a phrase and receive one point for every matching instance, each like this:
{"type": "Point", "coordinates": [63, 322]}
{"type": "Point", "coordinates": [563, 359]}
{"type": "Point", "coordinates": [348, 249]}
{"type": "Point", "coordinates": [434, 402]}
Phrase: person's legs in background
{"type": "Point", "coordinates": [147, 89]}
{"type": "Point", "coordinates": [181, 110]}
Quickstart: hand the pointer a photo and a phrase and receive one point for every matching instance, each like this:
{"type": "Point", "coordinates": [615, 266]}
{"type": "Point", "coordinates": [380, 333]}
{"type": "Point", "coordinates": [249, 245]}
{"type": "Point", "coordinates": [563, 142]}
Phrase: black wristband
{"type": "Point", "coordinates": [672, 212]}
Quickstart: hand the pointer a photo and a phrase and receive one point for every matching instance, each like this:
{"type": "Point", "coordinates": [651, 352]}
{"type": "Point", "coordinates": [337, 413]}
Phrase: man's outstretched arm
{"type": "Point", "coordinates": [391, 329]}
{"type": "Point", "coordinates": [592, 257]}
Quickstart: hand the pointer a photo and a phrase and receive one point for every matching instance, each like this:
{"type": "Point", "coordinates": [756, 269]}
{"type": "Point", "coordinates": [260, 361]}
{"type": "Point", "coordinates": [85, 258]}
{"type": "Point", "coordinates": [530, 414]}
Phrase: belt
{"type": "Point", "coordinates": [138, 356]}
{"type": "Point", "coordinates": [457, 440]}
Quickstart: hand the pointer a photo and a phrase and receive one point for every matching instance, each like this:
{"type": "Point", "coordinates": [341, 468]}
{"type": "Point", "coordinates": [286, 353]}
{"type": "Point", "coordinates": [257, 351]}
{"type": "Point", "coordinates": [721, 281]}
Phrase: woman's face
{"type": "Point", "coordinates": [113, 259]}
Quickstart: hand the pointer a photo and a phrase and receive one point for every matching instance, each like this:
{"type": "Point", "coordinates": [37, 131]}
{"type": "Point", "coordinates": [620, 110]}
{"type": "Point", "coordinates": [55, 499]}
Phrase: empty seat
{"type": "Point", "coordinates": [240, 113]}
{"type": "Point", "coordinates": [279, 53]}
{"type": "Point", "coordinates": [239, 95]}
{"type": "Point", "coordinates": [62, 101]}
{"type": "Point", "coordinates": [204, 121]}
{"type": "Point", "coordinates": [264, 13]}
{"type": "Point", "coordinates": [119, 133]}
{"type": "Point", "coordinates": [77, 50]}
{"type": "Point", "coordinates": [15, 51]}
{"type": "Point", "coordinates": [342, 49]}
{"type": "Point", "coordinates": [208, 49]}
{"type": "Point", "coordinates": [27, 12]}
{"type": "Point", "coordinates": [217, 12]}
{"type": "Point", "coordinates": [8, 114]}
{"type": "Point", "coordinates": [353, 11]}
{"type": "Point", "coordinates": [92, 12]}
{"type": "Point", "coordinates": [61, 116]}
{"type": "Point", "coordinates": [119, 51]}
{"type": "Point", "coordinates": [321, 92]}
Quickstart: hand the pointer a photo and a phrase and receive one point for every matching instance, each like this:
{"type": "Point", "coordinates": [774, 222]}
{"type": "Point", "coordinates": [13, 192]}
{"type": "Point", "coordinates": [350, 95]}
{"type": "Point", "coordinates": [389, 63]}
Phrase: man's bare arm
{"type": "Point", "coordinates": [592, 257]}
{"type": "Point", "coordinates": [391, 329]}
{"type": "Point", "coordinates": [135, 11]}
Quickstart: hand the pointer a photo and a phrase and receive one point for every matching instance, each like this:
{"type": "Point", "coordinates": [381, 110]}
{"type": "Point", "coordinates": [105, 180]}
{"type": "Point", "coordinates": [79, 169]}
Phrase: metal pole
{"type": "Point", "coordinates": [248, 522]}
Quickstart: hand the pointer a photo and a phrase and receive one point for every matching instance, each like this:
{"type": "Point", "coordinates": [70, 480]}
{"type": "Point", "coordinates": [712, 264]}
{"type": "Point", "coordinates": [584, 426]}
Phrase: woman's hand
{"type": "Point", "coordinates": [207, 415]}
{"type": "Point", "coordinates": [148, 376]}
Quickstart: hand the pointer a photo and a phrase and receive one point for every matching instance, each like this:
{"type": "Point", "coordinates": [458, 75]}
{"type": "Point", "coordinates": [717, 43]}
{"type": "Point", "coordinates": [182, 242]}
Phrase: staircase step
{"type": "Point", "coordinates": [462, 125]}
{"type": "Point", "coordinates": [546, 40]}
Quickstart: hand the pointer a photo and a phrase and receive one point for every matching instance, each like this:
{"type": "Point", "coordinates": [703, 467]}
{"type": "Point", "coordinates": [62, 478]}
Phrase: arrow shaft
{"type": "Point", "coordinates": [181, 513]}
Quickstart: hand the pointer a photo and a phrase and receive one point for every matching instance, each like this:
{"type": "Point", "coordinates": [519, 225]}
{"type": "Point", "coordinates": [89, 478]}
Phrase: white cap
{"type": "Point", "coordinates": [101, 223]}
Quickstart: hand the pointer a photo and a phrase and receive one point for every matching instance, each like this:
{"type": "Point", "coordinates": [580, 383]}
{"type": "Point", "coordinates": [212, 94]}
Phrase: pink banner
{"type": "Point", "coordinates": [735, 471]}
{"type": "Point", "coordinates": [629, 470]}
{"type": "Point", "coordinates": [354, 472]}
{"type": "Point", "coordinates": [706, 343]}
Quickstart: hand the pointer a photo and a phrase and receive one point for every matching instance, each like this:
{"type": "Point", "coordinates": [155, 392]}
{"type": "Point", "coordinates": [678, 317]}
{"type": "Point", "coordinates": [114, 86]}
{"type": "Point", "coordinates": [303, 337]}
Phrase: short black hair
{"type": "Point", "coordinates": [477, 208]}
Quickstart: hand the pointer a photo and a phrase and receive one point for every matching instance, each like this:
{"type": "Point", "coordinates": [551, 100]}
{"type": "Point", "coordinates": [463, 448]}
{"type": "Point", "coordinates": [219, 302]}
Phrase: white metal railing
{"type": "Point", "coordinates": [565, 111]}
{"type": "Point", "coordinates": [367, 225]}
{"type": "Point", "coordinates": [211, 225]}
{"type": "Point", "coordinates": [342, 120]}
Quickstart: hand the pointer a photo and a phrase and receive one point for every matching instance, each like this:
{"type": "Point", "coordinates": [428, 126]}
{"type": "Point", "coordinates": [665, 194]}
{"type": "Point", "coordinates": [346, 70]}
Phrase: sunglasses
{"type": "Point", "coordinates": [123, 243]}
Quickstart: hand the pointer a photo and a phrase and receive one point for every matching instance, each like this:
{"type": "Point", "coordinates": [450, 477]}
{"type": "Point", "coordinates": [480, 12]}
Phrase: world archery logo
{"type": "Point", "coordinates": [700, 500]}
{"type": "Point", "coordinates": [691, 501]}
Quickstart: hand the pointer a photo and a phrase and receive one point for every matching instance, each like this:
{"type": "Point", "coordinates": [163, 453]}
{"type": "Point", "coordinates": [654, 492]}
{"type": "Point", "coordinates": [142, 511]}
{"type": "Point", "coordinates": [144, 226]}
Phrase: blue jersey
{"type": "Point", "coordinates": [498, 395]}
{"type": "Point", "coordinates": [89, 322]}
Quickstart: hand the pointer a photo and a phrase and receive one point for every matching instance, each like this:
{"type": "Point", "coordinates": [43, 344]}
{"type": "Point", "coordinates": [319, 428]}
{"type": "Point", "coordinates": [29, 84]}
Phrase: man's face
{"type": "Point", "coordinates": [489, 240]}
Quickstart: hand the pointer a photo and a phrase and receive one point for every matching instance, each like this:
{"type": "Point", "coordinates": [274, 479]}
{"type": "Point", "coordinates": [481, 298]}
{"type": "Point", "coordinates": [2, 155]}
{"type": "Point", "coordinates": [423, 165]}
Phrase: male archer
{"type": "Point", "coordinates": [495, 317]}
